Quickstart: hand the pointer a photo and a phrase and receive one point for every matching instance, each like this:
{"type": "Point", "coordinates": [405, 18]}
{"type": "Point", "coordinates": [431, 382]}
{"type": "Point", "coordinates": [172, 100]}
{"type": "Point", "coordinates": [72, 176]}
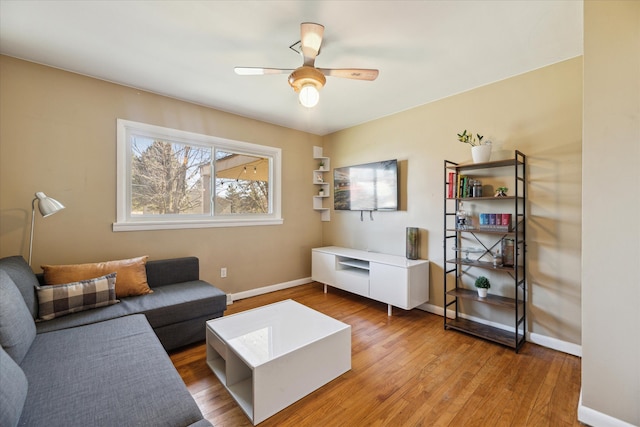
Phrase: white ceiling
{"type": "Point", "coordinates": [425, 50]}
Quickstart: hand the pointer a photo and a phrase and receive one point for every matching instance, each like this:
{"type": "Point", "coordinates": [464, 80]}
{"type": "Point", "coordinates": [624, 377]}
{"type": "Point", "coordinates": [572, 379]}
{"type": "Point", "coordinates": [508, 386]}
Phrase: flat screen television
{"type": "Point", "coordinates": [366, 187]}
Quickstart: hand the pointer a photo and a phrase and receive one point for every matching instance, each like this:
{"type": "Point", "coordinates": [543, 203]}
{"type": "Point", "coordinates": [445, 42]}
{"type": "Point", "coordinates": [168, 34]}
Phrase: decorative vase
{"type": "Point", "coordinates": [508, 252]}
{"type": "Point", "coordinates": [481, 153]}
{"type": "Point", "coordinates": [412, 242]}
{"type": "Point", "coordinates": [482, 292]}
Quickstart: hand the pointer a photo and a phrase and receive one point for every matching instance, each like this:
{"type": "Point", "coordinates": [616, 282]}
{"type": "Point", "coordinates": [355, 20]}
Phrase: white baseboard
{"type": "Point", "coordinates": [430, 308]}
{"type": "Point", "coordinates": [554, 343]}
{"type": "Point", "coordinates": [543, 340]}
{"type": "Point", "coordinates": [598, 419]}
{"type": "Point", "coordinates": [266, 289]}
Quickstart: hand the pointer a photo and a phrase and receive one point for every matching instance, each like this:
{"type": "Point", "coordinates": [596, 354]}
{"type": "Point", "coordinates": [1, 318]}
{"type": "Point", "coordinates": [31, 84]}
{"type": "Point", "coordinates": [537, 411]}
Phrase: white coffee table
{"type": "Point", "coordinates": [274, 355]}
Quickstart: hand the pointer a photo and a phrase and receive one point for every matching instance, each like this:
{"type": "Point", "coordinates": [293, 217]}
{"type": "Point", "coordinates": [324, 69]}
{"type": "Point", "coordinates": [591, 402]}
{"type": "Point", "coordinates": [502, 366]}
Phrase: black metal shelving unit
{"type": "Point", "coordinates": [458, 290]}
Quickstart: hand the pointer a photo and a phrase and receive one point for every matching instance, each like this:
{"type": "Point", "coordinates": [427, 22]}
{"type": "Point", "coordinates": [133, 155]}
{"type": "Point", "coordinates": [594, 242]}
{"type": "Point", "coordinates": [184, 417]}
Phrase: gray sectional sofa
{"type": "Point", "coordinates": [106, 366]}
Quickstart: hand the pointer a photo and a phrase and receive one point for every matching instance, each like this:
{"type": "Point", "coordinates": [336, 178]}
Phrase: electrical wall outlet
{"type": "Point", "coordinates": [223, 272]}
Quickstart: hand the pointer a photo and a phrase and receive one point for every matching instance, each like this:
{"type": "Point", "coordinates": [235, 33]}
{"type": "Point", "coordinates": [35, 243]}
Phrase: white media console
{"type": "Point", "coordinates": [390, 279]}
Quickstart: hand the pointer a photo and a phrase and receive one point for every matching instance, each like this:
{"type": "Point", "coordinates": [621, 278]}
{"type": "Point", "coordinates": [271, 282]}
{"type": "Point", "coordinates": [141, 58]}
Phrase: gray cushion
{"type": "Point", "coordinates": [178, 302]}
{"type": "Point", "coordinates": [22, 275]}
{"type": "Point", "coordinates": [166, 305]}
{"type": "Point", "coordinates": [17, 327]}
{"type": "Point", "coordinates": [85, 318]}
{"type": "Point", "coordinates": [13, 390]}
{"type": "Point", "coordinates": [175, 270]}
{"type": "Point", "coordinates": [112, 373]}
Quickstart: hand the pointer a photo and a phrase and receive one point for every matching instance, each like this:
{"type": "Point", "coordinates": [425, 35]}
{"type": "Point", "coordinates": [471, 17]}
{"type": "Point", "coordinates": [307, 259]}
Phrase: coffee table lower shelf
{"type": "Point", "coordinates": [241, 391]}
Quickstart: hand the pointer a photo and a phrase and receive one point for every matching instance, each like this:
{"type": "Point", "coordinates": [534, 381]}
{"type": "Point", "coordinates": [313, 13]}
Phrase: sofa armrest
{"type": "Point", "coordinates": [175, 270]}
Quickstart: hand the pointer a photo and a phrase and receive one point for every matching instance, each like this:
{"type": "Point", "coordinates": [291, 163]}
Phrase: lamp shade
{"type": "Point", "coordinates": [47, 205]}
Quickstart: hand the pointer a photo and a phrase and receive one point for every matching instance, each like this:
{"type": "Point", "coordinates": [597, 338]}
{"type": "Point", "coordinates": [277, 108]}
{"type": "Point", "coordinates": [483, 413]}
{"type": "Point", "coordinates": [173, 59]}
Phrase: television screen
{"type": "Point", "coordinates": [367, 187]}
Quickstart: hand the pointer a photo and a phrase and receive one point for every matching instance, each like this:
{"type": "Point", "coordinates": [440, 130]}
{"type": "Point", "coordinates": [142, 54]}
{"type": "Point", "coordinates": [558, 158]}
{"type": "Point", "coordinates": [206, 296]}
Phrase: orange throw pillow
{"type": "Point", "coordinates": [131, 276]}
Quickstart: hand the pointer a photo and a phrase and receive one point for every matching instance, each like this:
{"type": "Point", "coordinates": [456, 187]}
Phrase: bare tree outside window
{"type": "Point", "coordinates": [166, 178]}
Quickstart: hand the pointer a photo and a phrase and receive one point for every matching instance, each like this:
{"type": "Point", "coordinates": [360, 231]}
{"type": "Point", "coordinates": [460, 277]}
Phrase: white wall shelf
{"type": "Point", "coordinates": [321, 182]}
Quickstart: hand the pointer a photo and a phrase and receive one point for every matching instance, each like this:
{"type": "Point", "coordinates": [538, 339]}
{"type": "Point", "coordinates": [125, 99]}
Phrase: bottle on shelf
{"type": "Point", "coordinates": [461, 218]}
{"type": "Point", "coordinates": [476, 190]}
{"type": "Point", "coordinates": [497, 259]}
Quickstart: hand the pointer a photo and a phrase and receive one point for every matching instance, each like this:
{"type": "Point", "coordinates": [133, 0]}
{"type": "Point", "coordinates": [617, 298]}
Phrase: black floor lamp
{"type": "Point", "coordinates": [47, 207]}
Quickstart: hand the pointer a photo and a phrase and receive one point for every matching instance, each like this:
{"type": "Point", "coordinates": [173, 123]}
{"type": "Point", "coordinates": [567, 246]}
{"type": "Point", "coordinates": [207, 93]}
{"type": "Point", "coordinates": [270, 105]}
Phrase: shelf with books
{"type": "Point", "coordinates": [497, 224]}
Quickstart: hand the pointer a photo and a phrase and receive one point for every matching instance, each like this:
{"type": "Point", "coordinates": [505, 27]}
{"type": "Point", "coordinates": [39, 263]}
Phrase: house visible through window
{"type": "Point", "coordinates": [174, 179]}
{"type": "Point", "coordinates": [241, 184]}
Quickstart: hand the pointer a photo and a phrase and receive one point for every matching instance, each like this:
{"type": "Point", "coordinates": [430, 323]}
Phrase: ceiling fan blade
{"type": "Point", "coordinates": [258, 71]}
{"type": "Point", "coordinates": [310, 41]}
{"type": "Point", "coordinates": [350, 73]}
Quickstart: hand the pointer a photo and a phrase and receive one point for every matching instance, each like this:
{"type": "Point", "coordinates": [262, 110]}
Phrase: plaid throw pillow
{"type": "Point", "coordinates": [58, 300]}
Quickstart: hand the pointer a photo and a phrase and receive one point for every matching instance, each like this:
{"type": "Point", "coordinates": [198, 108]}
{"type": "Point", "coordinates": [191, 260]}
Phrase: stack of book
{"type": "Point", "coordinates": [495, 221]}
{"type": "Point", "coordinates": [461, 186]}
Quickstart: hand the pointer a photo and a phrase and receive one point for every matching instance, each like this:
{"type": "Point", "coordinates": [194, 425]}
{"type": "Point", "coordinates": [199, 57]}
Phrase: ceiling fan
{"type": "Point", "coordinates": [307, 80]}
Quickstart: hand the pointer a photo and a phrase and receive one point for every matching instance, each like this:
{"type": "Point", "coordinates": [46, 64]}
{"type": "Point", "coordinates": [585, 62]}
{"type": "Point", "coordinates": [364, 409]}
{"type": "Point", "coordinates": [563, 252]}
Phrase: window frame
{"type": "Point", "coordinates": [124, 220]}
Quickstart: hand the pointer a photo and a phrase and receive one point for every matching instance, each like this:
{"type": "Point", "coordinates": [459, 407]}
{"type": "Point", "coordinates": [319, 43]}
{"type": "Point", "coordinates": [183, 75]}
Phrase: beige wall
{"type": "Point", "coordinates": [58, 135]}
{"type": "Point", "coordinates": [538, 113]}
{"type": "Point", "coordinates": [611, 233]}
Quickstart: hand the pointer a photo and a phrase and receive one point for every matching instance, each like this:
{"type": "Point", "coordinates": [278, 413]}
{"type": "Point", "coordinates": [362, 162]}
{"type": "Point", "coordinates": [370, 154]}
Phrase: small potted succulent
{"type": "Point", "coordinates": [501, 192]}
{"type": "Point", "coordinates": [482, 284]}
{"type": "Point", "coordinates": [480, 151]}
{"type": "Point", "coordinates": [321, 165]}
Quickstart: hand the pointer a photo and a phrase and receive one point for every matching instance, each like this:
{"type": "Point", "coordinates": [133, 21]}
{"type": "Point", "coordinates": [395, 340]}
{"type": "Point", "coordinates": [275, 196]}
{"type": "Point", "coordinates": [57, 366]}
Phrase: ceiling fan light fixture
{"type": "Point", "coordinates": [307, 81]}
{"type": "Point", "coordinates": [309, 95]}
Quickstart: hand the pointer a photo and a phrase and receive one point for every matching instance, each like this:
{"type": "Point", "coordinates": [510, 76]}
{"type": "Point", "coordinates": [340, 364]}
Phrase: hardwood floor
{"type": "Point", "coordinates": [406, 371]}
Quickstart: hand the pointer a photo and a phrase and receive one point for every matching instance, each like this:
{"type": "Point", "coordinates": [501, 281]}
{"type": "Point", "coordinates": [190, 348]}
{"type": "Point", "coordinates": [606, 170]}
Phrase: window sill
{"type": "Point", "coordinates": [178, 225]}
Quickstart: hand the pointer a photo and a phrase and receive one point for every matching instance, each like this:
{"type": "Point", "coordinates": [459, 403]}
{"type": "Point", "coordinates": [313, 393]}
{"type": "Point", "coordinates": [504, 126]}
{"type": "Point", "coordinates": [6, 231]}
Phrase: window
{"type": "Point", "coordinates": [174, 179]}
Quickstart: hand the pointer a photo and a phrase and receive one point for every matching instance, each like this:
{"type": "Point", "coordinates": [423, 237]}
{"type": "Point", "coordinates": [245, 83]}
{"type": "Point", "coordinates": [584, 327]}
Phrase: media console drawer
{"type": "Point", "coordinates": [353, 281]}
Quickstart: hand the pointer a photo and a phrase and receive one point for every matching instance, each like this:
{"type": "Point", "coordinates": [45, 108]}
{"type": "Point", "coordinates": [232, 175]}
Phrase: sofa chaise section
{"type": "Point", "coordinates": [112, 373]}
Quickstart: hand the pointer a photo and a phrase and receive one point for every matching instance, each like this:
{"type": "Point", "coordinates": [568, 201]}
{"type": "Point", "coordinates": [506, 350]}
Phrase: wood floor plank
{"type": "Point", "coordinates": [406, 371]}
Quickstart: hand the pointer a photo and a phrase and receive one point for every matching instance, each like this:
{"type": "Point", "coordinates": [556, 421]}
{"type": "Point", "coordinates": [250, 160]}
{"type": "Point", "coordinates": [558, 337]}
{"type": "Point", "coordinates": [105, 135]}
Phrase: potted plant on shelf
{"type": "Point", "coordinates": [501, 192]}
{"type": "Point", "coordinates": [321, 165]}
{"type": "Point", "coordinates": [480, 151]}
{"type": "Point", "coordinates": [482, 284]}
